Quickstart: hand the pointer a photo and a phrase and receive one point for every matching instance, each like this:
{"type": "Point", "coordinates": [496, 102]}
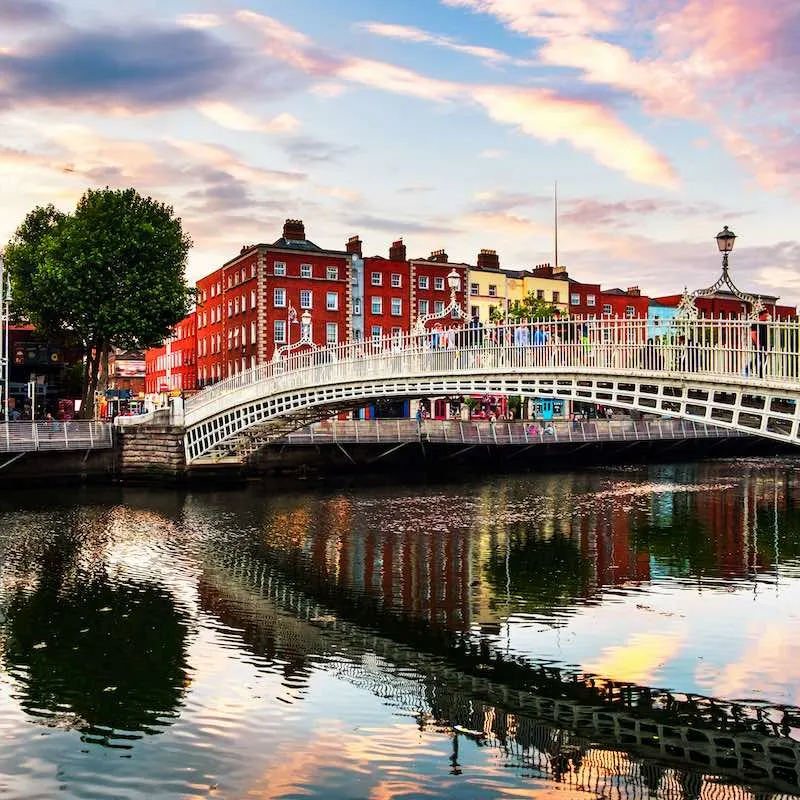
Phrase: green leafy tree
{"type": "Point", "coordinates": [531, 307]}
{"type": "Point", "coordinates": [112, 274]}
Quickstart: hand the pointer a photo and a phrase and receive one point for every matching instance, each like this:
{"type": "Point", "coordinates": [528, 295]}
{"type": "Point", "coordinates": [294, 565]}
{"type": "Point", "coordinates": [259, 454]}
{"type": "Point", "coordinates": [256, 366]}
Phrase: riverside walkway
{"type": "Point", "coordinates": [40, 435]}
{"type": "Point", "coordinates": [735, 374]}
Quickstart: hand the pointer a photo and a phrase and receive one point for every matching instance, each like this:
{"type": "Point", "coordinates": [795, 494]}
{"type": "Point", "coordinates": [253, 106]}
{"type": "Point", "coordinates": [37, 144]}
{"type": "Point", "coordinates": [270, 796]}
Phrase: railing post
{"type": "Point", "coordinates": [35, 435]}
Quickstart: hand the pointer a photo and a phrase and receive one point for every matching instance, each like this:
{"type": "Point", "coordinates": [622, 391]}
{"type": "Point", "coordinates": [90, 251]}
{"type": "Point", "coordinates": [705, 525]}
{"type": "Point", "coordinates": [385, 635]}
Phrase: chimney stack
{"type": "Point", "coordinates": [354, 246]}
{"type": "Point", "coordinates": [634, 291]}
{"type": "Point", "coordinates": [488, 259]}
{"type": "Point", "coordinates": [439, 256]}
{"type": "Point", "coordinates": [397, 252]}
{"type": "Point", "coordinates": [543, 270]}
{"type": "Point", "coordinates": [294, 230]}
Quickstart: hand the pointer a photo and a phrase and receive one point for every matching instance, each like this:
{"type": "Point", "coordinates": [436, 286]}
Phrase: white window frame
{"type": "Point", "coordinates": [376, 279]}
{"type": "Point", "coordinates": [306, 271]}
{"type": "Point", "coordinates": [492, 290]}
{"type": "Point", "coordinates": [438, 284]}
{"type": "Point", "coordinates": [630, 312]}
{"type": "Point", "coordinates": [279, 268]}
{"type": "Point", "coordinates": [423, 282]}
{"type": "Point", "coordinates": [332, 273]}
{"type": "Point", "coordinates": [424, 306]}
{"type": "Point", "coordinates": [306, 298]}
{"type": "Point", "coordinates": [474, 289]}
{"type": "Point", "coordinates": [279, 331]}
{"type": "Point", "coordinates": [279, 297]}
{"type": "Point", "coordinates": [332, 301]}
{"type": "Point", "coordinates": [331, 333]}
{"type": "Point", "coordinates": [438, 306]}
{"type": "Point", "coordinates": [591, 300]}
{"type": "Point", "coordinates": [376, 332]}
{"type": "Point", "coordinates": [574, 299]}
{"type": "Point", "coordinates": [397, 280]}
{"type": "Point", "coordinates": [607, 308]}
{"type": "Point", "coordinates": [397, 307]}
{"type": "Point", "coordinates": [376, 305]}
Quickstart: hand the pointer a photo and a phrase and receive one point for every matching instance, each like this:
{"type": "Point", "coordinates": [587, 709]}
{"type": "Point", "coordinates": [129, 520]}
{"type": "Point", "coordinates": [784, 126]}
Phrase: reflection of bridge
{"type": "Point", "coordinates": [730, 373]}
{"type": "Point", "coordinates": [546, 718]}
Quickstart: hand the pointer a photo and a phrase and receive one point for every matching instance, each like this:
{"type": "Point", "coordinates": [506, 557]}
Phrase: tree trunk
{"type": "Point", "coordinates": [90, 378]}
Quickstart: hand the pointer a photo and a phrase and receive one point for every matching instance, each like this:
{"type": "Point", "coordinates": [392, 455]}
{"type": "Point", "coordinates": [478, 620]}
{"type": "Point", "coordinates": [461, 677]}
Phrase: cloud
{"type": "Point", "coordinates": [399, 227]}
{"type": "Point", "coordinates": [504, 222]}
{"type": "Point", "coordinates": [27, 12]}
{"type": "Point", "coordinates": [539, 113]}
{"type": "Point", "coordinates": [501, 201]}
{"type": "Point", "coordinates": [587, 126]}
{"type": "Point", "coordinates": [493, 153]}
{"type": "Point", "coordinates": [229, 116]}
{"type": "Point", "coordinates": [309, 150]}
{"type": "Point", "coordinates": [407, 33]}
{"type": "Point", "coordinates": [201, 21]}
{"type": "Point", "coordinates": [137, 69]}
{"type": "Point", "coordinates": [543, 18]}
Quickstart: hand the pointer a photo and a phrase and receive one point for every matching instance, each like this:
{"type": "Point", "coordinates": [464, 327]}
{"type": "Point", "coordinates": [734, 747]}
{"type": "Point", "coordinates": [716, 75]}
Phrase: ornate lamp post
{"type": "Point", "coordinates": [305, 327]}
{"type": "Point", "coordinates": [306, 337]}
{"type": "Point", "coordinates": [453, 309]}
{"type": "Point", "coordinates": [687, 308]}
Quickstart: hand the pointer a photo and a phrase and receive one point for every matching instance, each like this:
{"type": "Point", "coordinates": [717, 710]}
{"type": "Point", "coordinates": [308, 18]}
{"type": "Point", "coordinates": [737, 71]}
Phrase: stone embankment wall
{"type": "Point", "coordinates": [152, 454]}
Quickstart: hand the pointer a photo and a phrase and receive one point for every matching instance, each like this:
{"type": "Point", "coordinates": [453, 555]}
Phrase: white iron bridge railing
{"type": "Point", "coordinates": [56, 435]}
{"type": "Point", "coordinates": [725, 350]}
{"type": "Point", "coordinates": [457, 432]}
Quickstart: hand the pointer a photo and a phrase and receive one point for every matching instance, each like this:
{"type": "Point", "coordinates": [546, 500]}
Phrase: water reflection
{"type": "Point", "coordinates": [91, 645]}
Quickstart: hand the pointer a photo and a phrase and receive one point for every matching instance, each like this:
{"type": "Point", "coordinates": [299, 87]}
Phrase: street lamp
{"type": "Point", "coordinates": [454, 282]}
{"type": "Point", "coordinates": [725, 240]}
{"type": "Point", "coordinates": [305, 326]}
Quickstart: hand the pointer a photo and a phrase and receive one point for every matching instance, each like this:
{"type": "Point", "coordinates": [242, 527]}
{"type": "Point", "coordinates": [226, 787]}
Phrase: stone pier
{"type": "Point", "coordinates": [152, 454]}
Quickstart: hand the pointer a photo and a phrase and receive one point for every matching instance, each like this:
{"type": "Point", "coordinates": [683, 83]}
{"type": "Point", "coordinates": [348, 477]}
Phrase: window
{"type": "Point", "coordinates": [376, 305]}
{"type": "Point", "coordinates": [253, 270]}
{"type": "Point", "coordinates": [244, 338]}
{"type": "Point", "coordinates": [306, 298]}
{"type": "Point", "coordinates": [492, 290]}
{"type": "Point", "coordinates": [474, 289]}
{"type": "Point", "coordinates": [236, 306]}
{"type": "Point", "coordinates": [630, 311]}
{"type": "Point", "coordinates": [423, 308]}
{"type": "Point", "coordinates": [279, 298]}
{"type": "Point", "coordinates": [574, 299]}
{"type": "Point", "coordinates": [556, 297]}
{"type": "Point", "coordinates": [332, 273]}
{"type": "Point", "coordinates": [423, 281]}
{"type": "Point", "coordinates": [438, 306]}
{"type": "Point", "coordinates": [397, 280]}
{"type": "Point", "coordinates": [213, 290]}
{"type": "Point", "coordinates": [591, 300]}
{"type": "Point", "coordinates": [332, 301]}
{"type": "Point", "coordinates": [357, 306]}
{"type": "Point", "coordinates": [280, 268]}
{"type": "Point", "coordinates": [455, 314]}
{"type": "Point", "coordinates": [397, 306]}
{"type": "Point", "coordinates": [474, 311]}
{"type": "Point", "coordinates": [492, 309]}
{"type": "Point", "coordinates": [230, 308]}
{"type": "Point", "coordinates": [606, 308]}
{"type": "Point", "coordinates": [252, 332]}
{"type": "Point", "coordinates": [397, 333]}
{"type": "Point", "coordinates": [252, 298]}
{"type": "Point", "coordinates": [438, 284]}
{"type": "Point", "coordinates": [376, 279]}
{"type": "Point", "coordinates": [540, 294]}
{"type": "Point", "coordinates": [331, 333]}
{"type": "Point", "coordinates": [279, 331]}
{"type": "Point", "coordinates": [305, 271]}
{"type": "Point", "coordinates": [376, 332]}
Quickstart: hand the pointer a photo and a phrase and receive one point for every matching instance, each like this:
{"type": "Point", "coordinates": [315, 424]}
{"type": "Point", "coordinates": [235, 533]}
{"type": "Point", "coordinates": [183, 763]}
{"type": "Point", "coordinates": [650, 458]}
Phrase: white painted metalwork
{"type": "Point", "coordinates": [735, 374]}
{"type": "Point", "coordinates": [27, 437]}
{"type": "Point", "coordinates": [5, 353]}
{"type": "Point", "coordinates": [389, 431]}
{"type": "Point", "coordinates": [453, 310]}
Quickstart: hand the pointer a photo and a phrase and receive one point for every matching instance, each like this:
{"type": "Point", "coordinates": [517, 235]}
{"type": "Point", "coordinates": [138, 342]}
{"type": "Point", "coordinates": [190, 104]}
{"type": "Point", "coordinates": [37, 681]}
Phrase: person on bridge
{"type": "Point", "coordinates": [759, 337]}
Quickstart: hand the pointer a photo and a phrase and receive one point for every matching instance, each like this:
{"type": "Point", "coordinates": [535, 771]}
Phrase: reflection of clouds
{"type": "Point", "coordinates": [761, 670]}
{"type": "Point", "coordinates": [638, 659]}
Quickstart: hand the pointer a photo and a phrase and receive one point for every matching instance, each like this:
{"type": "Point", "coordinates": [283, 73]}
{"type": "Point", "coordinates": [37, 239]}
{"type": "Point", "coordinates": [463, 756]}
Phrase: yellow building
{"type": "Point", "coordinates": [490, 287]}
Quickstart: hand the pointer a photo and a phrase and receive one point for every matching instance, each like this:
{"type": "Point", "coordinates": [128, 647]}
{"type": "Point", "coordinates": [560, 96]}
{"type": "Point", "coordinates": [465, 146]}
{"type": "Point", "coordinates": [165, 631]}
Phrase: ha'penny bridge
{"type": "Point", "coordinates": [611, 738]}
{"type": "Point", "coordinates": [736, 374]}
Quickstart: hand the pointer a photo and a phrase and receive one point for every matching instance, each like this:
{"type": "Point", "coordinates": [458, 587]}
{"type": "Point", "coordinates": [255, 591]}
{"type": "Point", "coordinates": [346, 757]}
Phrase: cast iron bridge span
{"type": "Point", "coordinates": [733, 374]}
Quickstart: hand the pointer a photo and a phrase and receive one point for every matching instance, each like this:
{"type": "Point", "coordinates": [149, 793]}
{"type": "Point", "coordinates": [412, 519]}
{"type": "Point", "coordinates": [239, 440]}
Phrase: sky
{"type": "Point", "coordinates": [445, 122]}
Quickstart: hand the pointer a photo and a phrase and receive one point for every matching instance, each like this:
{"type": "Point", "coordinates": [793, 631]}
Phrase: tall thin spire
{"type": "Point", "coordinates": [555, 215]}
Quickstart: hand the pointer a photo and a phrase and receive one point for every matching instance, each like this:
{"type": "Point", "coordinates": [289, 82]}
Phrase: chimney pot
{"type": "Point", "coordinates": [397, 252]}
{"type": "Point", "coordinates": [634, 291]}
{"type": "Point", "coordinates": [354, 246]}
{"type": "Point", "coordinates": [439, 256]}
{"type": "Point", "coordinates": [488, 259]}
{"type": "Point", "coordinates": [294, 230]}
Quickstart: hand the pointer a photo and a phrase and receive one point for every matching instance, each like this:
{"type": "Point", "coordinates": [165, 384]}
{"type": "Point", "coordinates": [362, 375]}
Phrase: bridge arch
{"type": "Point", "coordinates": [311, 386]}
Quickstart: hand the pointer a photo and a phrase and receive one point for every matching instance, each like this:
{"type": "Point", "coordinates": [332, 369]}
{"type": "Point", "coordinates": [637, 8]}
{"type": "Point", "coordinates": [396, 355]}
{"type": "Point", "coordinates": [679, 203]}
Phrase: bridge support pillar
{"type": "Point", "coordinates": [152, 454]}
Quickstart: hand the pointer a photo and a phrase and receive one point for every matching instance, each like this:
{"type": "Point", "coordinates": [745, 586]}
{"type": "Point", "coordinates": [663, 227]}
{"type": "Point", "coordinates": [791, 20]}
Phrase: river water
{"type": "Point", "coordinates": [613, 632]}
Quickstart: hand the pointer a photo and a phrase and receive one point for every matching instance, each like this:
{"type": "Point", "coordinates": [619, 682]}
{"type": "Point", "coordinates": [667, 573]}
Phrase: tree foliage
{"type": "Point", "coordinates": [112, 273]}
{"type": "Point", "coordinates": [531, 307]}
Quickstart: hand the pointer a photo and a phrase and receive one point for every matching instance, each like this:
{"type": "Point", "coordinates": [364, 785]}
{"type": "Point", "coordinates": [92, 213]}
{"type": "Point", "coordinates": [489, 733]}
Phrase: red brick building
{"type": "Point", "coordinates": [628, 303]}
{"type": "Point", "coordinates": [727, 306]}
{"type": "Point", "coordinates": [584, 298]}
{"type": "Point", "coordinates": [430, 292]}
{"type": "Point", "coordinates": [254, 304]}
{"type": "Point", "coordinates": [173, 366]}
